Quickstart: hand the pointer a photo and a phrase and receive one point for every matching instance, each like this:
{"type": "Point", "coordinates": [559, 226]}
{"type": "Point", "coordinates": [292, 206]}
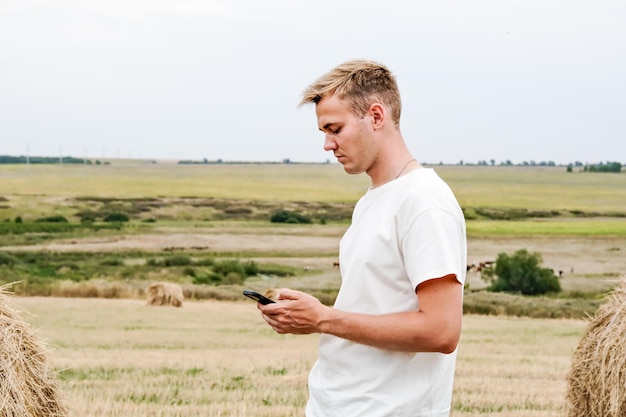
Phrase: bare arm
{"type": "Point", "coordinates": [434, 327]}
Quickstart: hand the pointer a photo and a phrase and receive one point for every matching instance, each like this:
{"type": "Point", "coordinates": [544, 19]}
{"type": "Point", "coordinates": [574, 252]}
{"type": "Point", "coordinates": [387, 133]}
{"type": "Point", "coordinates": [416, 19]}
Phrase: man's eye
{"type": "Point", "coordinates": [336, 131]}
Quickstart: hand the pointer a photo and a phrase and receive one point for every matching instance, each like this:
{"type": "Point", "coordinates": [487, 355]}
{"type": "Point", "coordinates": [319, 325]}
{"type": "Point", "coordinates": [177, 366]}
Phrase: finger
{"type": "Point", "coordinates": [270, 321]}
{"type": "Point", "coordinates": [287, 294]}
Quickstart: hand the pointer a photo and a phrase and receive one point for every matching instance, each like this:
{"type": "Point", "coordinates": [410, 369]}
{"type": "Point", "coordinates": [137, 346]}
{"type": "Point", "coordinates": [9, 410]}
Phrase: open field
{"type": "Point", "coordinates": [118, 357]}
{"type": "Point", "coordinates": [222, 211]}
{"type": "Point", "coordinates": [122, 358]}
{"type": "Point", "coordinates": [532, 188]}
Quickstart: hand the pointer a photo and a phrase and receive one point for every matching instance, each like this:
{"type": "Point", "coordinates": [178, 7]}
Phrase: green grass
{"type": "Point", "coordinates": [249, 182]}
{"type": "Point", "coordinates": [539, 188]}
{"type": "Point", "coordinates": [533, 188]}
{"type": "Point", "coordinates": [567, 227]}
{"type": "Point", "coordinates": [45, 273]}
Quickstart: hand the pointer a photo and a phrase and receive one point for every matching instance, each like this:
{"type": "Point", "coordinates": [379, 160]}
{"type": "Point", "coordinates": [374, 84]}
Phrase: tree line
{"type": "Point", "coordinates": [601, 167]}
{"type": "Point", "coordinates": [608, 166]}
{"type": "Point", "coordinates": [7, 159]}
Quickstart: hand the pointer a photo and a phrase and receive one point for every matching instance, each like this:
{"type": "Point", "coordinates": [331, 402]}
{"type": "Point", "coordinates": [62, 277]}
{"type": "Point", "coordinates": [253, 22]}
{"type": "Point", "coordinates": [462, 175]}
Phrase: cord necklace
{"type": "Point", "coordinates": [403, 168]}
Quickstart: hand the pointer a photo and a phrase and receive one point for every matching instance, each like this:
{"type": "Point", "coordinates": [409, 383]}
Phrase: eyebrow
{"type": "Point", "coordinates": [327, 125]}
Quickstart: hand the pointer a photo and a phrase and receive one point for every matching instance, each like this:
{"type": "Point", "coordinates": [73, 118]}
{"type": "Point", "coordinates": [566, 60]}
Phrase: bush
{"type": "Point", "coordinates": [205, 262]}
{"type": "Point", "coordinates": [51, 219]}
{"type": "Point", "coordinates": [286, 216]}
{"type": "Point", "coordinates": [521, 273]}
{"type": "Point", "coordinates": [189, 271]}
{"type": "Point", "coordinates": [112, 262]}
{"type": "Point", "coordinates": [177, 260]}
{"type": "Point", "coordinates": [224, 268]}
{"type": "Point", "coordinates": [6, 259]}
{"type": "Point", "coordinates": [250, 268]}
{"type": "Point", "coordinates": [116, 218]}
{"type": "Point", "coordinates": [277, 270]}
{"type": "Point", "coordinates": [87, 220]}
{"type": "Point", "coordinates": [233, 278]}
{"type": "Point", "coordinates": [508, 214]}
{"type": "Point", "coordinates": [202, 279]}
{"type": "Point", "coordinates": [504, 304]}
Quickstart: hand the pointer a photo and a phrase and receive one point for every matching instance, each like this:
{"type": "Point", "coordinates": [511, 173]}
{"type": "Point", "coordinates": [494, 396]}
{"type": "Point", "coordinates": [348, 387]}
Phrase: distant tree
{"type": "Point", "coordinates": [602, 167]}
{"type": "Point", "coordinates": [570, 168]}
{"type": "Point", "coordinates": [547, 163]}
{"type": "Point", "coordinates": [520, 273]}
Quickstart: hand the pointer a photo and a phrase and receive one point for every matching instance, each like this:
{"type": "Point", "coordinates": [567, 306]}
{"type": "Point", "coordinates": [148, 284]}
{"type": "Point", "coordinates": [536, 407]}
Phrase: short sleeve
{"type": "Point", "coordinates": [434, 246]}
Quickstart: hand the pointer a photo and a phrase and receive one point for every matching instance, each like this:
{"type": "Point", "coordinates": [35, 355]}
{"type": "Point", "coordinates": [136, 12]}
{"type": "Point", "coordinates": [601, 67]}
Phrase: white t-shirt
{"type": "Point", "coordinates": [403, 233]}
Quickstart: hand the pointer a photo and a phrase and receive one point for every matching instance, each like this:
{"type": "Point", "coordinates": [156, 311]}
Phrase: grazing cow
{"type": "Point", "coordinates": [484, 264]}
{"type": "Point", "coordinates": [165, 293]}
{"type": "Point", "coordinates": [479, 266]}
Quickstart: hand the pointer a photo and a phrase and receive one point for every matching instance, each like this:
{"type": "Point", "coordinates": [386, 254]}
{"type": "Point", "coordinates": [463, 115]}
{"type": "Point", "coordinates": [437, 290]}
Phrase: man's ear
{"type": "Point", "coordinates": [377, 113]}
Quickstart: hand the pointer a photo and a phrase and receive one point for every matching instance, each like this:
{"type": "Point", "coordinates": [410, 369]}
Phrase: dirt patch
{"type": "Point", "coordinates": [260, 243]}
{"type": "Point", "coordinates": [572, 255]}
{"type": "Point", "coordinates": [584, 263]}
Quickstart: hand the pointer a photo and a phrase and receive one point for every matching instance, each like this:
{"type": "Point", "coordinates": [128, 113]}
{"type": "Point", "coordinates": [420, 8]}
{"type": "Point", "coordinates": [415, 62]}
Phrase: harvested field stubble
{"type": "Point", "coordinates": [123, 358]}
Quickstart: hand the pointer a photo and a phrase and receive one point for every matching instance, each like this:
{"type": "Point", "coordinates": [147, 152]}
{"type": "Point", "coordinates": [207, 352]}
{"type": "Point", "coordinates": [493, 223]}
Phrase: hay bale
{"type": "Point", "coordinates": [597, 379]}
{"type": "Point", "coordinates": [28, 386]}
{"type": "Point", "coordinates": [271, 293]}
{"type": "Point", "coordinates": [165, 293]}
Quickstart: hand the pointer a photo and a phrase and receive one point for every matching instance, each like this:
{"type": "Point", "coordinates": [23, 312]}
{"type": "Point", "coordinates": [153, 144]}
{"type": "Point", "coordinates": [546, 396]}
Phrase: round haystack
{"type": "Point", "coordinates": [597, 379]}
{"type": "Point", "coordinates": [165, 293]}
{"type": "Point", "coordinates": [28, 386]}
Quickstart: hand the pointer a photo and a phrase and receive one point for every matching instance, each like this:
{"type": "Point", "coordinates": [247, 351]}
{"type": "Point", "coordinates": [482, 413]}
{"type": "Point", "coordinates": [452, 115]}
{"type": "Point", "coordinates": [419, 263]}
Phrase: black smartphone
{"type": "Point", "coordinates": [257, 297]}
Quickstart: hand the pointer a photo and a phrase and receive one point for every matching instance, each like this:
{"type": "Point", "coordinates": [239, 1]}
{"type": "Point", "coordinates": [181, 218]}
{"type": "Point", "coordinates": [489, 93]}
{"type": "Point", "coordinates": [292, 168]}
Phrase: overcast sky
{"type": "Point", "coordinates": [523, 80]}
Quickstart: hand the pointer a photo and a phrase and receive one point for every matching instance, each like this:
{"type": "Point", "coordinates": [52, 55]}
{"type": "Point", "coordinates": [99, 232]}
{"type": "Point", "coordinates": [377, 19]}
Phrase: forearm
{"type": "Point", "coordinates": [409, 331]}
{"type": "Point", "coordinates": [434, 327]}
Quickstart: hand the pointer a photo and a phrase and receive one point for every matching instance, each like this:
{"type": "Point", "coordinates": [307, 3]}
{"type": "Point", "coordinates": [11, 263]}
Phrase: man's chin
{"type": "Point", "coordinates": [351, 170]}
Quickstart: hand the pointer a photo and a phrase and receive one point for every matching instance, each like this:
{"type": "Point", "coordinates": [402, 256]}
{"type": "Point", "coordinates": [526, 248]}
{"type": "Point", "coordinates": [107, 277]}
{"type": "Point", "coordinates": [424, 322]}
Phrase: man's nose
{"type": "Point", "coordinates": [329, 143]}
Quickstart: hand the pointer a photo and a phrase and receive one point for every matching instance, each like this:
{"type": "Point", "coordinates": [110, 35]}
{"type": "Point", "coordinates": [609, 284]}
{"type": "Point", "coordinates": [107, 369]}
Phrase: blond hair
{"type": "Point", "coordinates": [362, 83]}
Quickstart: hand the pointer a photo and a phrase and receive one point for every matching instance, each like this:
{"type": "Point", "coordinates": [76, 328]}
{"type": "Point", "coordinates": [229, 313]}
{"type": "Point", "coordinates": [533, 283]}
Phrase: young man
{"type": "Point", "coordinates": [388, 346]}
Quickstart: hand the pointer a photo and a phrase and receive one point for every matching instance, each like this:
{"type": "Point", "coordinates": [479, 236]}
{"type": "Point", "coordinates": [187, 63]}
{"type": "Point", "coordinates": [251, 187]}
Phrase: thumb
{"type": "Point", "coordinates": [287, 294]}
